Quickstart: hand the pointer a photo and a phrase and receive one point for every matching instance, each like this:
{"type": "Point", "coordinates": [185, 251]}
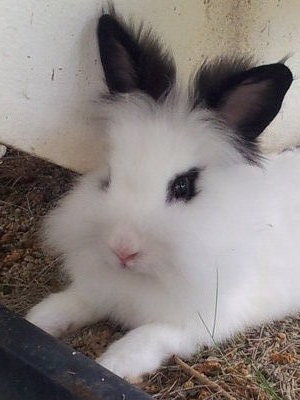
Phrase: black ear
{"type": "Point", "coordinates": [133, 61]}
{"type": "Point", "coordinates": [246, 99]}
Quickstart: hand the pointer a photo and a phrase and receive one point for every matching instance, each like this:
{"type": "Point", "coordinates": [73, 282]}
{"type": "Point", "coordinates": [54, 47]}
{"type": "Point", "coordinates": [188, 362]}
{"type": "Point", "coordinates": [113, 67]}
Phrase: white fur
{"type": "Point", "coordinates": [237, 241]}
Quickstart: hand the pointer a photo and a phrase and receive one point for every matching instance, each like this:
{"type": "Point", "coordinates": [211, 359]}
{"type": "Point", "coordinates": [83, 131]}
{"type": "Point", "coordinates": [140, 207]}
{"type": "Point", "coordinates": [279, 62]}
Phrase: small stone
{"type": "Point", "coordinates": [188, 384]}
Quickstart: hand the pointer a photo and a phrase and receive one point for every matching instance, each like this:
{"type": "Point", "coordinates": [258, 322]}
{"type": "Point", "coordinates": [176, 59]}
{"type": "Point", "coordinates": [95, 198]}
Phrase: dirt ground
{"type": "Point", "coordinates": [263, 364]}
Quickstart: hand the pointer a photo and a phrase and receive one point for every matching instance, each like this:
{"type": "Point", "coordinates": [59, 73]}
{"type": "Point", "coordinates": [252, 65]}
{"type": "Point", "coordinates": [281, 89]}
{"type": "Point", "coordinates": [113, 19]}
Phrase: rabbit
{"type": "Point", "coordinates": [188, 235]}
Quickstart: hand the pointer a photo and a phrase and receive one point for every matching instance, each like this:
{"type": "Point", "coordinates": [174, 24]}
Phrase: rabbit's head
{"type": "Point", "coordinates": [166, 144]}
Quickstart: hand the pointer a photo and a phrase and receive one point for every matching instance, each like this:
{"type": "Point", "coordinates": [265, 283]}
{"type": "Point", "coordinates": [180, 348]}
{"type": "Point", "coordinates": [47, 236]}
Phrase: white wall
{"type": "Point", "coordinates": [50, 77]}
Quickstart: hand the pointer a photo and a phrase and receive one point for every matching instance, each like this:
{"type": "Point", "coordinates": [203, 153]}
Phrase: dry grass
{"type": "Point", "coordinates": [263, 364]}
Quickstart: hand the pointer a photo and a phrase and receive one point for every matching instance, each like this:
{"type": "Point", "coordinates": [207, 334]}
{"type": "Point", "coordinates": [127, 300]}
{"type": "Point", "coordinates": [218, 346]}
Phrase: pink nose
{"type": "Point", "coordinates": [125, 256]}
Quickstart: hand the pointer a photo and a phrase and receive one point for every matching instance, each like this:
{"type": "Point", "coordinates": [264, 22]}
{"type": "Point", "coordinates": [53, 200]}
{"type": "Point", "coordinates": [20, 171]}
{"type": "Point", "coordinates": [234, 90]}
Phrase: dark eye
{"type": "Point", "coordinates": [183, 187]}
{"type": "Point", "coordinates": [104, 184]}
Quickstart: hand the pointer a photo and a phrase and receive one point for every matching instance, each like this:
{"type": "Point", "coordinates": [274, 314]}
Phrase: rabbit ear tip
{"type": "Point", "coordinates": [133, 58]}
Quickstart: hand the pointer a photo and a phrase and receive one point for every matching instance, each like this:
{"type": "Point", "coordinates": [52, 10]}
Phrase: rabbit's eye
{"type": "Point", "coordinates": [183, 187]}
{"type": "Point", "coordinates": [104, 184]}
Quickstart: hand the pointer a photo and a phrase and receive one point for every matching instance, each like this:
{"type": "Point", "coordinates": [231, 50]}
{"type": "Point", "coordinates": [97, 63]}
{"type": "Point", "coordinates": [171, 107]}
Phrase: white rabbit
{"type": "Point", "coordinates": [189, 236]}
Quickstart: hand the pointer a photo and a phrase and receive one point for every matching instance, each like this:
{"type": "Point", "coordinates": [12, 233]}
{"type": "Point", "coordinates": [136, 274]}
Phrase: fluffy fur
{"type": "Point", "coordinates": [205, 268]}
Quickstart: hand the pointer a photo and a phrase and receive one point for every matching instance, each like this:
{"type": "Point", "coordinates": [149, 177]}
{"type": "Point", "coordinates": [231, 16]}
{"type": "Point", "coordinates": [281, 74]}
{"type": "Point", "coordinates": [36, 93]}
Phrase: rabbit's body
{"type": "Point", "coordinates": [188, 237]}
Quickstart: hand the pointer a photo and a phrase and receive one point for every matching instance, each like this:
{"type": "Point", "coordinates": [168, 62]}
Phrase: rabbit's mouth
{"type": "Point", "coordinates": [137, 264]}
{"type": "Point", "coordinates": [128, 264]}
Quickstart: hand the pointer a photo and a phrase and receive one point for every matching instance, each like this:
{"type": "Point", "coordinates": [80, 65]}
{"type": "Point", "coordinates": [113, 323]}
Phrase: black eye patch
{"type": "Point", "coordinates": [183, 186]}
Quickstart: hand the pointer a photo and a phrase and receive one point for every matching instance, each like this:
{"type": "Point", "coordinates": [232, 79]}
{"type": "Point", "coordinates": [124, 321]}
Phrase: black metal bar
{"type": "Point", "coordinates": [36, 366]}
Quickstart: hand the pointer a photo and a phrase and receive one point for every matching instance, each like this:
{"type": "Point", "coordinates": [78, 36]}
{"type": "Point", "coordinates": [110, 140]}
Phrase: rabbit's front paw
{"type": "Point", "coordinates": [142, 350]}
{"type": "Point", "coordinates": [122, 364]}
{"type": "Point", "coordinates": [48, 318]}
{"type": "Point", "coordinates": [61, 312]}
{"type": "Point", "coordinates": [55, 314]}
{"type": "Point", "coordinates": [127, 363]}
